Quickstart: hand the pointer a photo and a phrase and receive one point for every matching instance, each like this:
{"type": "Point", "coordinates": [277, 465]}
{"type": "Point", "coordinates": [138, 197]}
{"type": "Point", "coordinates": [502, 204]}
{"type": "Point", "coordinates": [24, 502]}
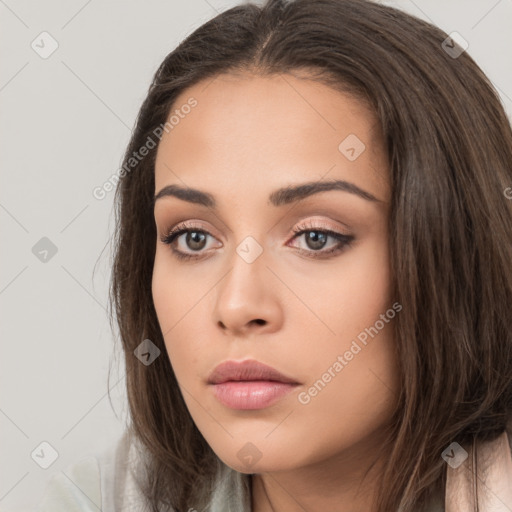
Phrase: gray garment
{"type": "Point", "coordinates": [108, 482]}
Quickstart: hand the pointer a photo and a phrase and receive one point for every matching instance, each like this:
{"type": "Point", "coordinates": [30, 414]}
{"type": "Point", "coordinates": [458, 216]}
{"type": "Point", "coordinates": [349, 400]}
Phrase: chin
{"type": "Point", "coordinates": [252, 458]}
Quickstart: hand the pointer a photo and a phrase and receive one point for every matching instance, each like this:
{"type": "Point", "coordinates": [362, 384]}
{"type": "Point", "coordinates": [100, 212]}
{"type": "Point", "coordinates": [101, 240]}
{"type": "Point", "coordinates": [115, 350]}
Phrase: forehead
{"type": "Point", "coordinates": [255, 133]}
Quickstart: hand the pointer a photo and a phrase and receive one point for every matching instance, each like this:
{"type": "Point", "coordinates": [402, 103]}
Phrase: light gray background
{"type": "Point", "coordinates": [64, 125]}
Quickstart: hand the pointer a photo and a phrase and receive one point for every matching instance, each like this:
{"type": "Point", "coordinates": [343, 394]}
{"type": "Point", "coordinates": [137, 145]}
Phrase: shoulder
{"type": "Point", "coordinates": [494, 469]}
{"type": "Point", "coordinates": [106, 480]}
{"type": "Point", "coordinates": [75, 489]}
{"type": "Point", "coordinates": [488, 468]}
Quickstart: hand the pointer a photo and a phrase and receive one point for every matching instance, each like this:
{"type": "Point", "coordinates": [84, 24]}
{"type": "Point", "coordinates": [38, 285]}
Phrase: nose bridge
{"type": "Point", "coordinates": [247, 272]}
{"type": "Point", "coordinates": [250, 249]}
{"type": "Point", "coordinates": [245, 295]}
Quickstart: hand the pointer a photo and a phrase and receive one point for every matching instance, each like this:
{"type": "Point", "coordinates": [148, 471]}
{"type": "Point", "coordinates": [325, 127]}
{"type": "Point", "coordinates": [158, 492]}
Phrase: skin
{"type": "Point", "coordinates": [248, 136]}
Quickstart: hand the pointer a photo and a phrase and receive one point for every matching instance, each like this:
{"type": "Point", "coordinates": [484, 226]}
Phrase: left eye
{"type": "Point", "coordinates": [316, 240]}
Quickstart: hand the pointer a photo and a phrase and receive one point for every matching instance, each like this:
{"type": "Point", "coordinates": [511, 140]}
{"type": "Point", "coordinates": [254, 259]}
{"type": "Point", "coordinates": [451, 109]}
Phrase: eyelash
{"type": "Point", "coordinates": [343, 240]}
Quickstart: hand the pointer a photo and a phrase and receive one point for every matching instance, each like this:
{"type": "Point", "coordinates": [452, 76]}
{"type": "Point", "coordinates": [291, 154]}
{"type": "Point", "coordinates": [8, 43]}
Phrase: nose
{"type": "Point", "coordinates": [247, 299]}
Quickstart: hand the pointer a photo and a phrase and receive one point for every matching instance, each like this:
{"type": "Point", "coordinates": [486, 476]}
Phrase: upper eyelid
{"type": "Point", "coordinates": [302, 227]}
{"type": "Point", "coordinates": [309, 221]}
{"type": "Point", "coordinates": [185, 226]}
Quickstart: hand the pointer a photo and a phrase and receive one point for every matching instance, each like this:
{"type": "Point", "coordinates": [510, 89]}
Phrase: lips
{"type": "Point", "coordinates": [248, 370]}
{"type": "Point", "coordinates": [249, 384]}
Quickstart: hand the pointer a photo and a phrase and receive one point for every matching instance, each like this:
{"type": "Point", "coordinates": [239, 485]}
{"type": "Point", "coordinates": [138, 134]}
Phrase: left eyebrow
{"type": "Point", "coordinates": [279, 197]}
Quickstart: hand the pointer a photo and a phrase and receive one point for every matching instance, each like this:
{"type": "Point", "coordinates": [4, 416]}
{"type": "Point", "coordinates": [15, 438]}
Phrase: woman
{"type": "Point", "coordinates": [312, 272]}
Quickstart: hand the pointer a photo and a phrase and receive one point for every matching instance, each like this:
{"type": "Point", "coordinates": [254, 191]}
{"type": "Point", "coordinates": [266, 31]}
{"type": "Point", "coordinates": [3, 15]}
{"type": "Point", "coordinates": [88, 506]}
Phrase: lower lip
{"type": "Point", "coordinates": [256, 394]}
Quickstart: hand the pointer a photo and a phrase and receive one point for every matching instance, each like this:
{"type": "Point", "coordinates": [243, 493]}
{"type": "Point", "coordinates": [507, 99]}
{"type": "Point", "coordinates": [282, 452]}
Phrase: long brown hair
{"type": "Point", "coordinates": [450, 154]}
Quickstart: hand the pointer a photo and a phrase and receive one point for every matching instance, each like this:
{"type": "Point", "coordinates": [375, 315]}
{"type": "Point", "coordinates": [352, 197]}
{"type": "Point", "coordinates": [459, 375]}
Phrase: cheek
{"type": "Point", "coordinates": [369, 286]}
{"type": "Point", "coordinates": [357, 292]}
{"type": "Point", "coordinates": [176, 292]}
{"type": "Point", "coordinates": [163, 289]}
{"type": "Point", "coordinates": [357, 402]}
{"type": "Point", "coordinates": [174, 300]}
{"type": "Point", "coordinates": [362, 394]}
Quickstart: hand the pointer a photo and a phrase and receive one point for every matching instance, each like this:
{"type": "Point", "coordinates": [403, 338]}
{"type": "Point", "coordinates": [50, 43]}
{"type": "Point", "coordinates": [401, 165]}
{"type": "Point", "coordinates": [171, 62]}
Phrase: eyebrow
{"type": "Point", "coordinates": [280, 197]}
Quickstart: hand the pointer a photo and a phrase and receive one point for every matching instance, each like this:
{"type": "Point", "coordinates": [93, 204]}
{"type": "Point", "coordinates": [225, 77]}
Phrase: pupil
{"type": "Point", "coordinates": [196, 237]}
{"type": "Point", "coordinates": [318, 239]}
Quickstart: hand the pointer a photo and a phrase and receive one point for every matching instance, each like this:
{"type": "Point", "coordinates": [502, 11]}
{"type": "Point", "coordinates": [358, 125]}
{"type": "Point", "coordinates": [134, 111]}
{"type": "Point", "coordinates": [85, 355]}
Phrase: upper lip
{"type": "Point", "coordinates": [248, 370]}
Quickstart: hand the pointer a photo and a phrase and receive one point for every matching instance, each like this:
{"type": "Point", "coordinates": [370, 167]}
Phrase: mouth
{"type": "Point", "coordinates": [249, 384]}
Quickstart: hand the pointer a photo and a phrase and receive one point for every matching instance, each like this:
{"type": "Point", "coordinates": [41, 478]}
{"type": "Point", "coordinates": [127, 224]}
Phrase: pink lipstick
{"type": "Point", "coordinates": [249, 384]}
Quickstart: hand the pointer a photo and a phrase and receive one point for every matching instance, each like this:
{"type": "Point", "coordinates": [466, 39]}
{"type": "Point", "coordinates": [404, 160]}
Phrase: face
{"type": "Point", "coordinates": [297, 280]}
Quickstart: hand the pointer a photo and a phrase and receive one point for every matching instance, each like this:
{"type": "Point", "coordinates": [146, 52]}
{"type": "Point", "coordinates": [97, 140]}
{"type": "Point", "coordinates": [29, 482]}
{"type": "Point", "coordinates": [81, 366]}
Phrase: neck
{"type": "Point", "coordinates": [345, 482]}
